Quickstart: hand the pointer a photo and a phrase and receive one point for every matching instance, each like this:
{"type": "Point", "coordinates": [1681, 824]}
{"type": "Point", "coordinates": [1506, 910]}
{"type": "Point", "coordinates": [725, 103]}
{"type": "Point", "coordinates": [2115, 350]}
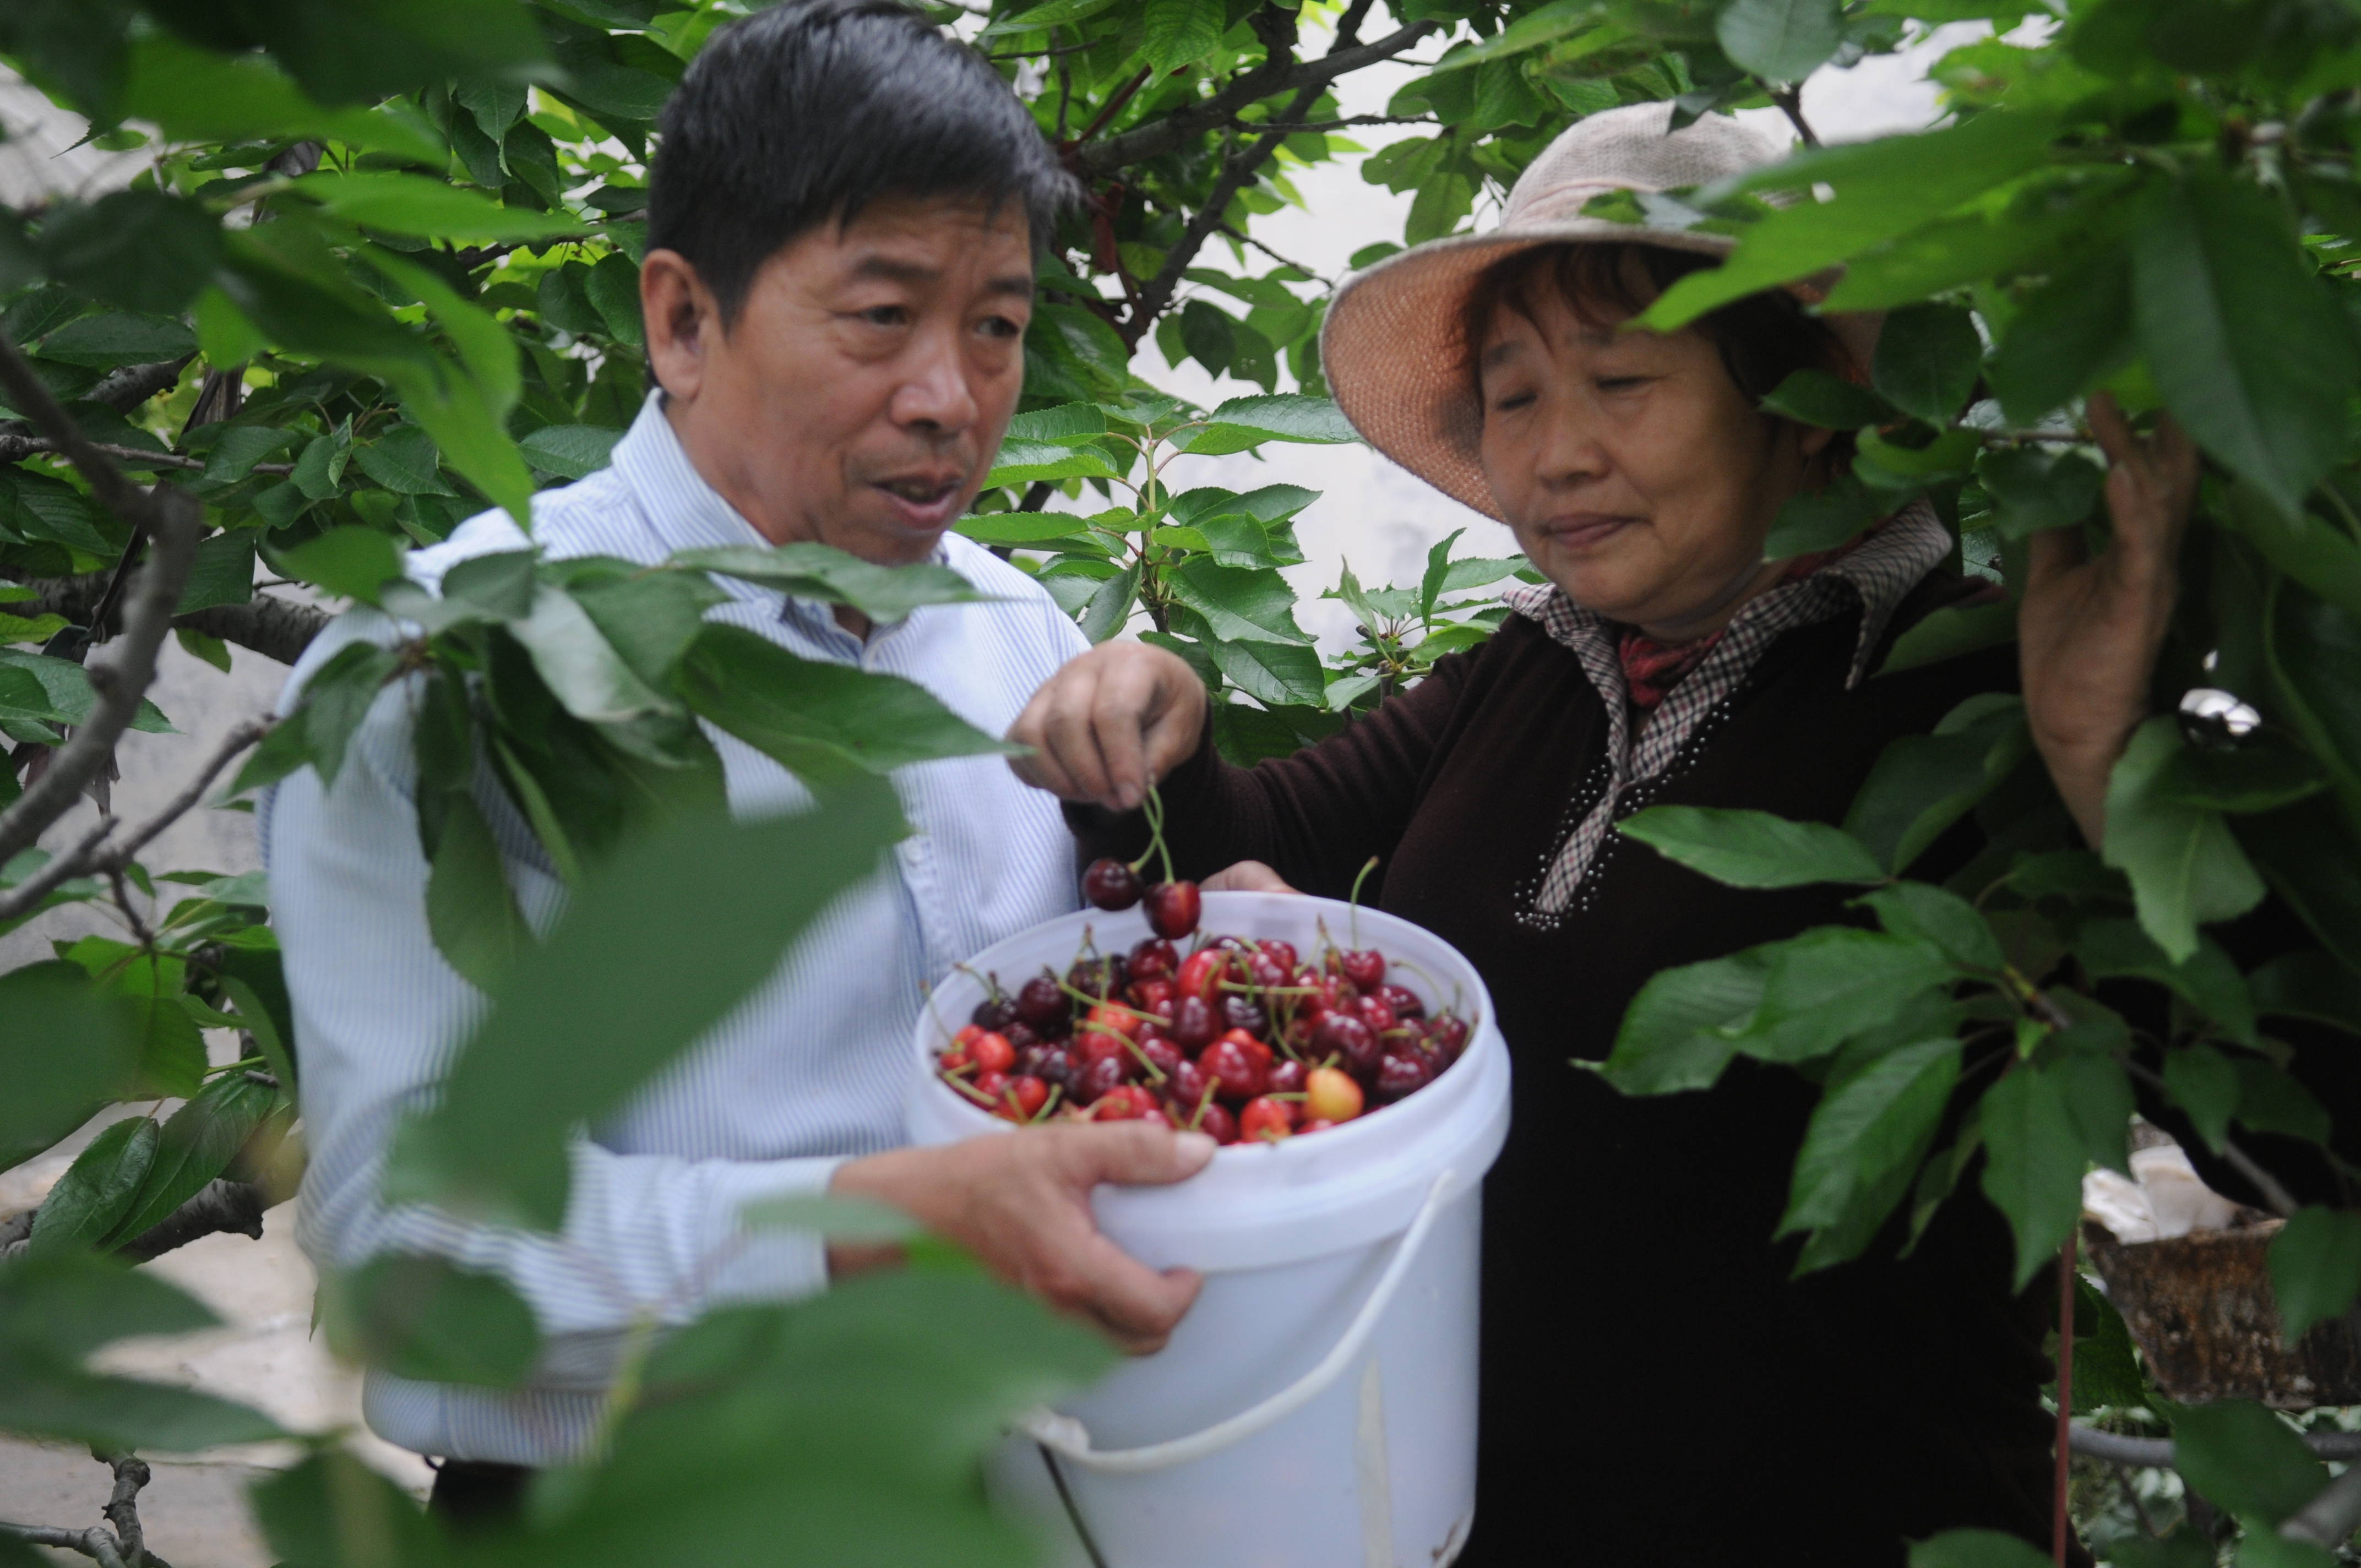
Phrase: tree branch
{"type": "Point", "coordinates": [13, 447]}
{"type": "Point", "coordinates": [2156, 1453]}
{"type": "Point", "coordinates": [1177, 129]}
{"type": "Point", "coordinates": [275, 628]}
{"type": "Point", "coordinates": [1790, 103]}
{"type": "Point", "coordinates": [127, 1547]}
{"type": "Point", "coordinates": [169, 520]}
{"type": "Point", "coordinates": [222, 1207]}
{"type": "Point", "coordinates": [2329, 1520]}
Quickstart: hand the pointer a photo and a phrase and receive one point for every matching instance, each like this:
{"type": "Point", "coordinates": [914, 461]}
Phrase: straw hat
{"type": "Point", "coordinates": [1391, 347]}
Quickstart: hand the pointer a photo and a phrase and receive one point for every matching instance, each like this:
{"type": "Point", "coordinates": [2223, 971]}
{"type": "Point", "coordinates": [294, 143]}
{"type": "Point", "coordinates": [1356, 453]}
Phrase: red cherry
{"type": "Point", "coordinates": [1235, 1074]}
{"type": "Point", "coordinates": [1040, 1003]}
{"type": "Point", "coordinates": [1244, 1012]}
{"type": "Point", "coordinates": [994, 1012]}
{"type": "Point", "coordinates": [1402, 1000]}
{"type": "Point", "coordinates": [1096, 1046]}
{"type": "Point", "coordinates": [1162, 1054]}
{"type": "Point", "coordinates": [1048, 1063]}
{"type": "Point", "coordinates": [1376, 1014]}
{"type": "Point", "coordinates": [1401, 1074]}
{"type": "Point", "coordinates": [1154, 958]}
{"type": "Point", "coordinates": [953, 1057]}
{"type": "Point", "coordinates": [1257, 1052]}
{"type": "Point", "coordinates": [1186, 1085]}
{"type": "Point", "coordinates": [1173, 909]}
{"type": "Point", "coordinates": [1155, 1116]}
{"type": "Point", "coordinates": [993, 1053]}
{"type": "Point", "coordinates": [1120, 1103]}
{"type": "Point", "coordinates": [1342, 1035]}
{"type": "Point", "coordinates": [1023, 1098]}
{"type": "Point", "coordinates": [989, 1084]}
{"type": "Point", "coordinates": [1194, 1022]}
{"type": "Point", "coordinates": [1113, 1018]}
{"type": "Point", "coordinates": [1266, 972]}
{"type": "Point", "coordinates": [1153, 996]}
{"type": "Point", "coordinates": [1446, 1033]}
{"type": "Point", "coordinates": [1096, 1081]}
{"type": "Point", "coordinates": [1021, 1034]}
{"type": "Point", "coordinates": [1265, 1120]}
{"type": "Point", "coordinates": [1364, 968]}
{"type": "Point", "coordinates": [1110, 884]}
{"type": "Point", "coordinates": [1282, 953]}
{"type": "Point", "coordinates": [1096, 977]}
{"type": "Point", "coordinates": [1218, 1124]}
{"type": "Point", "coordinates": [1201, 973]}
{"type": "Point", "coordinates": [1286, 1077]}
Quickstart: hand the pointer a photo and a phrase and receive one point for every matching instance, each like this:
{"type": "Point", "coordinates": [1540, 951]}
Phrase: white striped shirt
{"type": "Point", "coordinates": [809, 1071]}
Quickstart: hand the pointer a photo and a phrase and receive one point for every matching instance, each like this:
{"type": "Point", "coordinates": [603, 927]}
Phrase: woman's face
{"type": "Point", "coordinates": [1636, 474]}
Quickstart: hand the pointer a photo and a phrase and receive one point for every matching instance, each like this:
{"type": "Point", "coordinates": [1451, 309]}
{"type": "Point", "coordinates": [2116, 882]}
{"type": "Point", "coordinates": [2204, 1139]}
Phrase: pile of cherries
{"type": "Point", "coordinates": [1240, 1039]}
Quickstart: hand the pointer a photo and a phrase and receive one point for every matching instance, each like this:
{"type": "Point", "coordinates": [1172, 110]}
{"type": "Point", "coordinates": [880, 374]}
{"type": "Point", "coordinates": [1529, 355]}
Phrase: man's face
{"type": "Point", "coordinates": [860, 394]}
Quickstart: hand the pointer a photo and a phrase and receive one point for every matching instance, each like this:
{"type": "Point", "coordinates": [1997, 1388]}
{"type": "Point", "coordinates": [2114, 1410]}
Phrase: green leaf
{"type": "Point", "coordinates": [2033, 491]}
{"type": "Point", "coordinates": [2314, 552]}
{"type": "Point", "coordinates": [2314, 656]}
{"type": "Point", "coordinates": [2032, 1165]}
{"type": "Point", "coordinates": [285, 749]}
{"type": "Point", "coordinates": [2315, 1268]}
{"type": "Point", "coordinates": [2185, 867]}
{"type": "Point", "coordinates": [102, 342]}
{"type": "Point", "coordinates": [1273, 674]}
{"type": "Point", "coordinates": [1058, 426]}
{"type": "Point", "coordinates": [1249, 605]}
{"type": "Point", "coordinates": [316, 1511]}
{"type": "Point", "coordinates": [1243, 423]}
{"type": "Point", "coordinates": [470, 911]}
{"type": "Point", "coordinates": [195, 1146]}
{"type": "Point", "coordinates": [423, 1318]}
{"type": "Point", "coordinates": [413, 204]}
{"type": "Point", "coordinates": [570, 451]}
{"type": "Point", "coordinates": [404, 461]}
{"type": "Point", "coordinates": [2207, 980]}
{"type": "Point", "coordinates": [96, 1190]}
{"type": "Point", "coordinates": [2099, 1101]}
{"type": "Point", "coordinates": [1545, 25]}
{"type": "Point", "coordinates": [1926, 361]}
{"type": "Point", "coordinates": [338, 698]}
{"type": "Point", "coordinates": [1810, 521]}
{"type": "Point", "coordinates": [2244, 1460]}
{"type": "Point", "coordinates": [674, 902]}
{"type": "Point", "coordinates": [354, 562]}
{"type": "Point", "coordinates": [1752, 849]}
{"type": "Point", "coordinates": [1025, 461]}
{"type": "Point", "coordinates": [2250, 353]}
{"type": "Point", "coordinates": [1833, 982]}
{"type": "Point", "coordinates": [815, 717]}
{"type": "Point", "coordinates": [2071, 331]}
{"type": "Point", "coordinates": [885, 594]}
{"type": "Point", "coordinates": [223, 573]}
{"type": "Point", "coordinates": [201, 94]}
{"type": "Point", "coordinates": [143, 250]}
{"type": "Point", "coordinates": [1933, 915]}
{"type": "Point", "coordinates": [119, 1413]}
{"type": "Point", "coordinates": [1019, 527]}
{"type": "Point", "coordinates": [1882, 188]}
{"type": "Point", "coordinates": [1110, 606]}
{"type": "Point", "coordinates": [1679, 1032]}
{"type": "Point", "coordinates": [1181, 32]}
{"type": "Point", "coordinates": [1867, 1136]}
{"type": "Point", "coordinates": [613, 290]}
{"type": "Point", "coordinates": [580, 667]}
{"type": "Point", "coordinates": [1050, 14]}
{"type": "Point", "coordinates": [1948, 632]}
{"type": "Point", "coordinates": [2309, 984]}
{"type": "Point", "coordinates": [2206, 1085]}
{"type": "Point", "coordinates": [1921, 785]}
{"type": "Point", "coordinates": [1814, 397]}
{"type": "Point", "coordinates": [1780, 40]}
{"type": "Point", "coordinates": [2271, 1100]}
{"type": "Point", "coordinates": [1975, 1549]}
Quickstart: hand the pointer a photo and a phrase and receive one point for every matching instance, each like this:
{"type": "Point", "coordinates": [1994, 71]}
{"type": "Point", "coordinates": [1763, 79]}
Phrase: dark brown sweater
{"type": "Point", "coordinates": [1656, 1390]}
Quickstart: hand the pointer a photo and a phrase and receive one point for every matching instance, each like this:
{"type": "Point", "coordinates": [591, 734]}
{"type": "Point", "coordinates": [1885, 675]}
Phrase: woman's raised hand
{"type": "Point", "coordinates": [1109, 723]}
{"type": "Point", "coordinates": [2089, 628]}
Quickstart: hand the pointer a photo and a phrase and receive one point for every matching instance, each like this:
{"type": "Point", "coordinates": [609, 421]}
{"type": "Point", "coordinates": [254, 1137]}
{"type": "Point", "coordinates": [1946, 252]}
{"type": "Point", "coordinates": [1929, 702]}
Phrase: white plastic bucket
{"type": "Point", "coordinates": [1316, 1408]}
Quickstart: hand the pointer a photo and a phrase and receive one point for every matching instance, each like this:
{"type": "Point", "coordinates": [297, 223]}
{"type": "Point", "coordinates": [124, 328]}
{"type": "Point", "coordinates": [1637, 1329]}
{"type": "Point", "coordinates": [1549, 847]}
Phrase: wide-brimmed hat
{"type": "Point", "coordinates": [1391, 348]}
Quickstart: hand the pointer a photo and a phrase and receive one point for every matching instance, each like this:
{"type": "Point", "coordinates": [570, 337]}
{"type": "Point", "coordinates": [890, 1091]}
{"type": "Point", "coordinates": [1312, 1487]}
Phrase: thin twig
{"type": "Point", "coordinates": [2329, 1520]}
{"type": "Point", "coordinates": [1233, 232]}
{"type": "Point", "coordinates": [74, 862]}
{"type": "Point", "coordinates": [1292, 127]}
{"type": "Point", "coordinates": [13, 447]}
{"type": "Point", "coordinates": [121, 887]}
{"type": "Point", "coordinates": [1790, 103]}
{"type": "Point", "coordinates": [170, 519]}
{"type": "Point", "coordinates": [244, 735]}
{"type": "Point", "coordinates": [2158, 1452]}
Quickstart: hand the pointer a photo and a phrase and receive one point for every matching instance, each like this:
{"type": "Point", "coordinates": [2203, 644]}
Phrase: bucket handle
{"type": "Point", "coordinates": [1070, 1439]}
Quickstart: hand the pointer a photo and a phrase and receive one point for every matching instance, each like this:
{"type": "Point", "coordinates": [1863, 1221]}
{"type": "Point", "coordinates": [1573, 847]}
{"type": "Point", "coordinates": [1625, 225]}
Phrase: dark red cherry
{"type": "Point", "coordinates": [1022, 1035]}
{"type": "Point", "coordinates": [1194, 1022]}
{"type": "Point", "coordinates": [1173, 909]}
{"type": "Point", "coordinates": [1283, 953]}
{"type": "Point", "coordinates": [1402, 1000]}
{"type": "Point", "coordinates": [1364, 968]}
{"type": "Point", "coordinates": [1040, 1003]}
{"type": "Point", "coordinates": [1345, 1036]}
{"type": "Point", "coordinates": [1235, 1075]}
{"type": "Point", "coordinates": [1265, 971]}
{"type": "Point", "coordinates": [1402, 1073]}
{"type": "Point", "coordinates": [1110, 884]}
{"type": "Point", "coordinates": [1375, 1015]}
{"type": "Point", "coordinates": [1286, 1077]}
{"type": "Point", "coordinates": [1096, 1079]}
{"type": "Point", "coordinates": [1161, 1054]}
{"type": "Point", "coordinates": [994, 1013]}
{"type": "Point", "coordinates": [1154, 958]}
{"type": "Point", "coordinates": [1185, 1088]}
{"type": "Point", "coordinates": [1096, 977]}
{"type": "Point", "coordinates": [1244, 1012]}
{"type": "Point", "coordinates": [1152, 996]}
{"type": "Point", "coordinates": [1217, 1124]}
{"type": "Point", "coordinates": [1446, 1033]}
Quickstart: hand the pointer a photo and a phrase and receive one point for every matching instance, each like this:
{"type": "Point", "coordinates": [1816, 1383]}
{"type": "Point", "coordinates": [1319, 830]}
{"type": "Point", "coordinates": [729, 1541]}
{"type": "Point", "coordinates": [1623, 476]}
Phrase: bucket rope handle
{"type": "Point", "coordinates": [1068, 1437]}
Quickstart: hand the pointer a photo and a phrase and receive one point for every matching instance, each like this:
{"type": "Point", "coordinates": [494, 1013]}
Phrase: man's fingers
{"type": "Point", "coordinates": [1067, 735]}
{"type": "Point", "coordinates": [1137, 1306]}
{"type": "Point", "coordinates": [1136, 1153]}
{"type": "Point", "coordinates": [1126, 690]}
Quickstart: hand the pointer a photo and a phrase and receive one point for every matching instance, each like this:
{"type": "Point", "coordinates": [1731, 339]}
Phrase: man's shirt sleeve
{"type": "Point", "coordinates": [380, 1015]}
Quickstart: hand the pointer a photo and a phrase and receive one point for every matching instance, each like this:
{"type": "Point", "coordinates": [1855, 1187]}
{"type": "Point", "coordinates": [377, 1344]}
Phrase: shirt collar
{"type": "Point", "coordinates": [1889, 564]}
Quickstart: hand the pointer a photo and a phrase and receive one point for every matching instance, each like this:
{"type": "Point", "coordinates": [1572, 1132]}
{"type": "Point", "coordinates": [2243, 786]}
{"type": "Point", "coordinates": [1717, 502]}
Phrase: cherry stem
{"type": "Point", "coordinates": [1048, 1104]}
{"type": "Point", "coordinates": [1153, 1071]}
{"type": "Point", "coordinates": [1109, 1003]}
{"type": "Point", "coordinates": [1203, 1100]}
{"type": "Point", "coordinates": [1153, 807]}
{"type": "Point", "coordinates": [1353, 899]}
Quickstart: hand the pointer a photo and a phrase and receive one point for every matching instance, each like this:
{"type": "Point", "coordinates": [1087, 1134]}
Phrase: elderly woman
{"type": "Point", "coordinates": [1656, 1387]}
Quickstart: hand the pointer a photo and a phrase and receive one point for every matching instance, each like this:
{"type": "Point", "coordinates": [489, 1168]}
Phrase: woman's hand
{"type": "Point", "coordinates": [1110, 723]}
{"type": "Point", "coordinates": [2088, 629]}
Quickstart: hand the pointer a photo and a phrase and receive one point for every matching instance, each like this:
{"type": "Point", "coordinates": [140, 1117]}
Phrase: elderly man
{"type": "Point", "coordinates": [842, 219]}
